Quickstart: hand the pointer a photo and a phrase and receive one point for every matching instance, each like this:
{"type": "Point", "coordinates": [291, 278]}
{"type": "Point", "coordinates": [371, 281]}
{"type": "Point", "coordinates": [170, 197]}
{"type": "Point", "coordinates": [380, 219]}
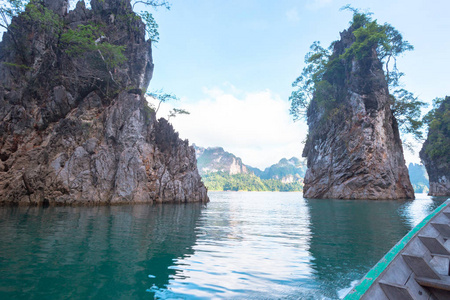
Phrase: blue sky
{"type": "Point", "coordinates": [256, 44]}
{"type": "Point", "coordinates": [232, 64]}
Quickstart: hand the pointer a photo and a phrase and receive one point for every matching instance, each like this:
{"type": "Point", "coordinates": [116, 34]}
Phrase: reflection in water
{"type": "Point", "coordinates": [243, 245]}
{"type": "Point", "coordinates": [249, 245]}
{"type": "Point", "coordinates": [92, 252]}
{"type": "Point", "coordinates": [415, 211]}
{"type": "Point", "coordinates": [349, 237]}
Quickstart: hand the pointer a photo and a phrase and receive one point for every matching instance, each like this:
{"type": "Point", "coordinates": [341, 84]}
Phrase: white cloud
{"type": "Point", "coordinates": [411, 153]}
{"type": "Point", "coordinates": [254, 126]}
{"type": "Point", "coordinates": [292, 15]}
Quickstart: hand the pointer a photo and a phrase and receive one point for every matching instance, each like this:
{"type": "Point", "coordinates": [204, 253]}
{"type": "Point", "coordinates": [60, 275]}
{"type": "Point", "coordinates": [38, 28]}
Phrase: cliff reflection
{"type": "Point", "coordinates": [96, 252]}
{"type": "Point", "coordinates": [352, 234]}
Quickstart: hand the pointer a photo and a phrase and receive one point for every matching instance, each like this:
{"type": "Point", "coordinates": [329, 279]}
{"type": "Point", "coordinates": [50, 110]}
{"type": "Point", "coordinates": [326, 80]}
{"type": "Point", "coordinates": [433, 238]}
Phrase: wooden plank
{"type": "Point", "coordinates": [447, 244]}
{"type": "Point", "coordinates": [443, 229]}
{"type": "Point", "coordinates": [442, 218]}
{"type": "Point", "coordinates": [395, 291]}
{"type": "Point", "coordinates": [441, 284]}
{"type": "Point", "coordinates": [397, 273]}
{"type": "Point", "coordinates": [420, 267]}
{"type": "Point", "coordinates": [417, 248]}
{"type": "Point", "coordinates": [440, 264]}
{"type": "Point", "coordinates": [417, 291]}
{"type": "Point", "coordinates": [374, 293]}
{"type": "Point", "coordinates": [434, 245]}
{"type": "Point", "coordinates": [440, 294]}
{"type": "Point", "coordinates": [447, 214]}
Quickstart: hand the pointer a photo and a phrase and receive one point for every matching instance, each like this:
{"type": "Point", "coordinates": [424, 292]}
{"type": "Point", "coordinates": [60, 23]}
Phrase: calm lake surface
{"type": "Point", "coordinates": [241, 245]}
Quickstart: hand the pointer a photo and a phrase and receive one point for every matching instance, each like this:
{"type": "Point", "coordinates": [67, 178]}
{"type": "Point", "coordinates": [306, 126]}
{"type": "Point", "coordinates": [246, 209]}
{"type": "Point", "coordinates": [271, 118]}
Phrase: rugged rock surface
{"type": "Point", "coordinates": [355, 152]}
{"type": "Point", "coordinates": [74, 130]}
{"type": "Point", "coordinates": [435, 152]}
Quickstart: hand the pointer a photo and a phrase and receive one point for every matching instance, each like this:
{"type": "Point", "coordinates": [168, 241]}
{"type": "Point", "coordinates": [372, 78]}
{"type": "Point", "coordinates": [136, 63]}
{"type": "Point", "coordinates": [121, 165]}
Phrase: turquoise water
{"type": "Point", "coordinates": [241, 245]}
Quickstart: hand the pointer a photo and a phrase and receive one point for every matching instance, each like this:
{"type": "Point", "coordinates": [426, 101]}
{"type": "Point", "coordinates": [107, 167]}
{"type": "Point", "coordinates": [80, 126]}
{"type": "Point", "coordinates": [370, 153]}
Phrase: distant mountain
{"type": "Point", "coordinates": [419, 178]}
{"type": "Point", "coordinates": [222, 171]}
{"type": "Point", "coordinates": [215, 159]}
{"type": "Point", "coordinates": [286, 170]}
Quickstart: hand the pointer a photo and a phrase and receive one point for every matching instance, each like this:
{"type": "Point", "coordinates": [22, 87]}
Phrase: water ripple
{"type": "Point", "coordinates": [242, 245]}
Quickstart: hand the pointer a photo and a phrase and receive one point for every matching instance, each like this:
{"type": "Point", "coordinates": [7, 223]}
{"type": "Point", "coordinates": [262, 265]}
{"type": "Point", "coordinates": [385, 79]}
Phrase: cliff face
{"type": "Point", "coordinates": [355, 152]}
{"type": "Point", "coordinates": [75, 130]}
{"type": "Point", "coordinates": [435, 151]}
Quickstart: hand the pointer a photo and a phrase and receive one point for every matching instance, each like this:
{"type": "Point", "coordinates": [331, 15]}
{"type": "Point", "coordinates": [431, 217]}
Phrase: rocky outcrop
{"type": "Point", "coordinates": [77, 130]}
{"type": "Point", "coordinates": [435, 152]}
{"type": "Point", "coordinates": [353, 148]}
{"type": "Point", "coordinates": [216, 159]}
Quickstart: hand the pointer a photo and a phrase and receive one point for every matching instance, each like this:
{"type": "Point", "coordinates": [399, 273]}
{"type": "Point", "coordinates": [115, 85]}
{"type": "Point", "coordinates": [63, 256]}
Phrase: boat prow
{"type": "Point", "coordinates": [417, 267]}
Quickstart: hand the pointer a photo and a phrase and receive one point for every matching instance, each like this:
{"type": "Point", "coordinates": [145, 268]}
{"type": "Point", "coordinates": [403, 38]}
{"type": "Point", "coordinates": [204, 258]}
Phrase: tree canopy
{"type": "Point", "coordinates": [11, 8]}
{"type": "Point", "coordinates": [325, 72]}
{"type": "Point", "coordinates": [161, 97]}
{"type": "Point", "coordinates": [151, 27]}
{"type": "Point", "coordinates": [84, 39]}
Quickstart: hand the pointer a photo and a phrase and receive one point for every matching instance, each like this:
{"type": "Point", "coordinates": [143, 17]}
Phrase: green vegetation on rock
{"type": "Point", "coordinates": [435, 152]}
{"type": "Point", "coordinates": [324, 75]}
{"type": "Point", "coordinates": [88, 38]}
{"type": "Point", "coordinates": [438, 121]}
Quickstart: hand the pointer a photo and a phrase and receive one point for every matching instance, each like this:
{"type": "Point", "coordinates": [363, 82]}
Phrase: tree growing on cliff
{"type": "Point", "coordinates": [324, 73]}
{"type": "Point", "coordinates": [162, 97]}
{"type": "Point", "coordinates": [37, 16]}
{"type": "Point", "coordinates": [151, 27]}
{"type": "Point", "coordinates": [435, 152]}
{"type": "Point", "coordinates": [11, 8]}
{"type": "Point", "coordinates": [88, 39]}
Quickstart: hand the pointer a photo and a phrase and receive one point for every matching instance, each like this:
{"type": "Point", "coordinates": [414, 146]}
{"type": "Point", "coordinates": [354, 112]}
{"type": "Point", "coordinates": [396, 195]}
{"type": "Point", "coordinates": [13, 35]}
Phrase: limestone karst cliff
{"type": "Point", "coordinates": [353, 147]}
{"type": "Point", "coordinates": [75, 127]}
{"type": "Point", "coordinates": [286, 170]}
{"type": "Point", "coordinates": [435, 153]}
{"type": "Point", "coordinates": [216, 159]}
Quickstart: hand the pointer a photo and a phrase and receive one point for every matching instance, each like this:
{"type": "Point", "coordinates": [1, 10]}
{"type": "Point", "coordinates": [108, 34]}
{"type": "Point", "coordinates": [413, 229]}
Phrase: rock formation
{"type": "Point", "coordinates": [77, 130]}
{"type": "Point", "coordinates": [286, 170]}
{"type": "Point", "coordinates": [355, 151]}
{"type": "Point", "coordinates": [435, 152]}
{"type": "Point", "coordinates": [216, 159]}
